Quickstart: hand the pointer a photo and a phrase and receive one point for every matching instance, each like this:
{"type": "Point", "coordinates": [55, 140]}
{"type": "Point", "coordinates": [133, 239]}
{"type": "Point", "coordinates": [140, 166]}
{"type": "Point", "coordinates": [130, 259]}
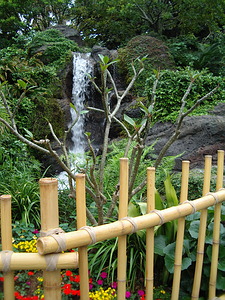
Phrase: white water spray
{"type": "Point", "coordinates": [81, 67]}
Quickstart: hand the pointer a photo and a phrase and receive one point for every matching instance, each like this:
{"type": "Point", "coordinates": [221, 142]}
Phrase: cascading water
{"type": "Point", "coordinates": [81, 88]}
{"type": "Point", "coordinates": [81, 83]}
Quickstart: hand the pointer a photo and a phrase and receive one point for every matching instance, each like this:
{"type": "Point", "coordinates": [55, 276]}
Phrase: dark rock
{"type": "Point", "coordinates": [69, 33]}
{"type": "Point", "coordinates": [200, 136]}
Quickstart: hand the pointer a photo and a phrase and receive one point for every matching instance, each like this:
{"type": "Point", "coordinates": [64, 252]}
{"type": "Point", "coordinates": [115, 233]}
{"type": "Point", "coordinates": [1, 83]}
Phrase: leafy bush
{"type": "Point", "coordinates": [51, 46]}
{"type": "Point", "coordinates": [18, 177]}
{"type": "Point", "coordinates": [210, 54]}
{"type": "Point", "coordinates": [172, 86]}
{"type": "Point", "coordinates": [156, 53]}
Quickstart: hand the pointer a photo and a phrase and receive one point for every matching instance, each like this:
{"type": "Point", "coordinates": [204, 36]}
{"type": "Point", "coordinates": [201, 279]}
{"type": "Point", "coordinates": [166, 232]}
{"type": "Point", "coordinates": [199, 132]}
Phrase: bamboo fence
{"type": "Point", "coordinates": [54, 241]}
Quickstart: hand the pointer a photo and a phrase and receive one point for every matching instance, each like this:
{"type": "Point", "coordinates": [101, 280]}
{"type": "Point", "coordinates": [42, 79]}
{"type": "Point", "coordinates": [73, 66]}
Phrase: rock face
{"type": "Point", "coordinates": [69, 33]}
{"type": "Point", "coordinates": [200, 136]}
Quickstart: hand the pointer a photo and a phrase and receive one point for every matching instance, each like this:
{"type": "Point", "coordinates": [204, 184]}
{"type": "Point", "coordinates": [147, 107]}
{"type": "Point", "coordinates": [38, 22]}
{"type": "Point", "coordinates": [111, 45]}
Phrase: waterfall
{"type": "Point", "coordinates": [81, 89]}
{"type": "Point", "coordinates": [81, 83]}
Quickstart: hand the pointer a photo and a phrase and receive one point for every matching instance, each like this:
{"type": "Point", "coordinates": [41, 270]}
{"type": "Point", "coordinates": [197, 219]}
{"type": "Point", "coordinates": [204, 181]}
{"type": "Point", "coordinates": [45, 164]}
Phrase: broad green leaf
{"type": "Point", "coordinates": [22, 84]}
{"type": "Point", "coordinates": [169, 263]}
{"type": "Point", "coordinates": [143, 207]}
{"type": "Point", "coordinates": [169, 230]}
{"type": "Point", "coordinates": [171, 195]}
{"type": "Point", "coordinates": [158, 201]}
{"type": "Point", "coordinates": [194, 229]}
{"type": "Point", "coordinates": [169, 250]}
{"type": "Point", "coordinates": [186, 263]}
{"type": "Point", "coordinates": [129, 120]}
{"type": "Point", "coordinates": [160, 244]}
{"type": "Point", "coordinates": [143, 108]}
{"type": "Point", "coordinates": [133, 210]}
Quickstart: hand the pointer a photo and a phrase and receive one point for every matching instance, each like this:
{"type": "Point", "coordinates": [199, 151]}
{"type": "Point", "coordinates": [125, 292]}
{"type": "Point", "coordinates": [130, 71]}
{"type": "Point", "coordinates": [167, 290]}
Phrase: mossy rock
{"type": "Point", "coordinates": [156, 51]}
{"type": "Point", "coordinates": [50, 112]}
{"type": "Point", "coordinates": [51, 46]}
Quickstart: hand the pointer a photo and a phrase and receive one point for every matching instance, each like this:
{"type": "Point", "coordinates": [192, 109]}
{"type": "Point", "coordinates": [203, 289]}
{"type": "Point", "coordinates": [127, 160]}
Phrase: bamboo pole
{"type": "Point", "coordinates": [202, 231]}
{"type": "Point", "coordinates": [122, 240]}
{"type": "Point", "coordinates": [6, 234]}
{"type": "Point", "coordinates": [35, 261]}
{"type": "Point", "coordinates": [150, 235]}
{"type": "Point", "coordinates": [216, 228]}
{"type": "Point", "coordinates": [107, 231]}
{"type": "Point", "coordinates": [81, 222]}
{"type": "Point", "coordinates": [180, 233]}
{"type": "Point", "coordinates": [49, 221]}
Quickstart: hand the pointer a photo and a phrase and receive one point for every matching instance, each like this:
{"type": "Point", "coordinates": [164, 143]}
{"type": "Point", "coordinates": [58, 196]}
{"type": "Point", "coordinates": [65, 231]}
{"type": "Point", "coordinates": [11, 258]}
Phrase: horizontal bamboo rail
{"type": "Point", "coordinates": [34, 261]}
{"type": "Point", "coordinates": [73, 239]}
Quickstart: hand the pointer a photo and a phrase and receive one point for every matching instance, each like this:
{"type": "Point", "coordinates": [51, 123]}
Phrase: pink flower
{"type": "Point", "coordinates": [114, 285]}
{"type": "Point", "coordinates": [141, 293]}
{"type": "Point", "coordinates": [128, 294]}
{"type": "Point", "coordinates": [100, 282]}
{"type": "Point", "coordinates": [104, 275]}
{"type": "Point", "coordinates": [90, 286]}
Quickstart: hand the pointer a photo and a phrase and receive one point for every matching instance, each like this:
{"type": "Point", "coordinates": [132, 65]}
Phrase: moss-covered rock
{"type": "Point", "coordinates": [155, 50]}
{"type": "Point", "coordinates": [157, 53]}
{"type": "Point", "coordinates": [51, 46]}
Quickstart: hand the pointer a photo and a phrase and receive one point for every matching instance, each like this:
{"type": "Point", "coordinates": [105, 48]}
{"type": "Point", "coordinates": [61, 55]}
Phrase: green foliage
{"type": "Point", "coordinates": [172, 86]}
{"type": "Point", "coordinates": [18, 178]}
{"type": "Point", "coordinates": [103, 256]}
{"type": "Point", "coordinates": [154, 50]}
{"type": "Point", "coordinates": [208, 54]}
{"type": "Point", "coordinates": [23, 232]}
{"type": "Point", "coordinates": [28, 76]}
{"type": "Point", "coordinates": [51, 47]}
{"type": "Point", "coordinates": [110, 23]}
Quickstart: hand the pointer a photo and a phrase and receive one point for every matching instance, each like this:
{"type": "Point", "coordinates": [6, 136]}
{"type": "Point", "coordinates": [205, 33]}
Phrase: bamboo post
{"type": "Point", "coordinates": [202, 231]}
{"type": "Point", "coordinates": [81, 222]}
{"type": "Point", "coordinates": [122, 240]}
{"type": "Point", "coordinates": [180, 233]}
{"type": "Point", "coordinates": [150, 235]}
{"type": "Point", "coordinates": [6, 232]}
{"type": "Point", "coordinates": [216, 228]}
{"type": "Point", "coordinates": [49, 221]}
{"type": "Point", "coordinates": [80, 238]}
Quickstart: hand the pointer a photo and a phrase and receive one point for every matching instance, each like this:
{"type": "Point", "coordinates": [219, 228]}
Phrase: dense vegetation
{"type": "Point", "coordinates": [190, 34]}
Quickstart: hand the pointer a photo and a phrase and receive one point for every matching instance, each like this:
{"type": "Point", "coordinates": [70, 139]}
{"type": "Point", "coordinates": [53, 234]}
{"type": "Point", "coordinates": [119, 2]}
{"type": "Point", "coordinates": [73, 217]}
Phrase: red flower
{"type": "Point", "coordinates": [69, 273]}
{"type": "Point", "coordinates": [67, 286]}
{"type": "Point", "coordinates": [67, 291]}
{"type": "Point", "coordinates": [30, 273]}
{"type": "Point", "coordinates": [77, 278]}
{"type": "Point", "coordinates": [1, 278]}
{"type": "Point", "coordinates": [76, 292]}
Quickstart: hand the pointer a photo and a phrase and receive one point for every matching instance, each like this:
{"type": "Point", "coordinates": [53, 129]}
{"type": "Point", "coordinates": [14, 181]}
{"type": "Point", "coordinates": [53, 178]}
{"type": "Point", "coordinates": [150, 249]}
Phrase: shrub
{"type": "Point", "coordinates": [172, 86]}
{"type": "Point", "coordinates": [51, 46]}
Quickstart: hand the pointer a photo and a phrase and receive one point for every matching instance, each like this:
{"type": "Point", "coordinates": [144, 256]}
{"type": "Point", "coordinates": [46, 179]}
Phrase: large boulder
{"type": "Point", "coordinates": [199, 136]}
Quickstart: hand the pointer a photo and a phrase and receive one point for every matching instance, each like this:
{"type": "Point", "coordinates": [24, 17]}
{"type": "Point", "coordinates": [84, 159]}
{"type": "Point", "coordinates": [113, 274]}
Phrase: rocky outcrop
{"type": "Point", "coordinates": [200, 136]}
{"type": "Point", "coordinates": [69, 33]}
